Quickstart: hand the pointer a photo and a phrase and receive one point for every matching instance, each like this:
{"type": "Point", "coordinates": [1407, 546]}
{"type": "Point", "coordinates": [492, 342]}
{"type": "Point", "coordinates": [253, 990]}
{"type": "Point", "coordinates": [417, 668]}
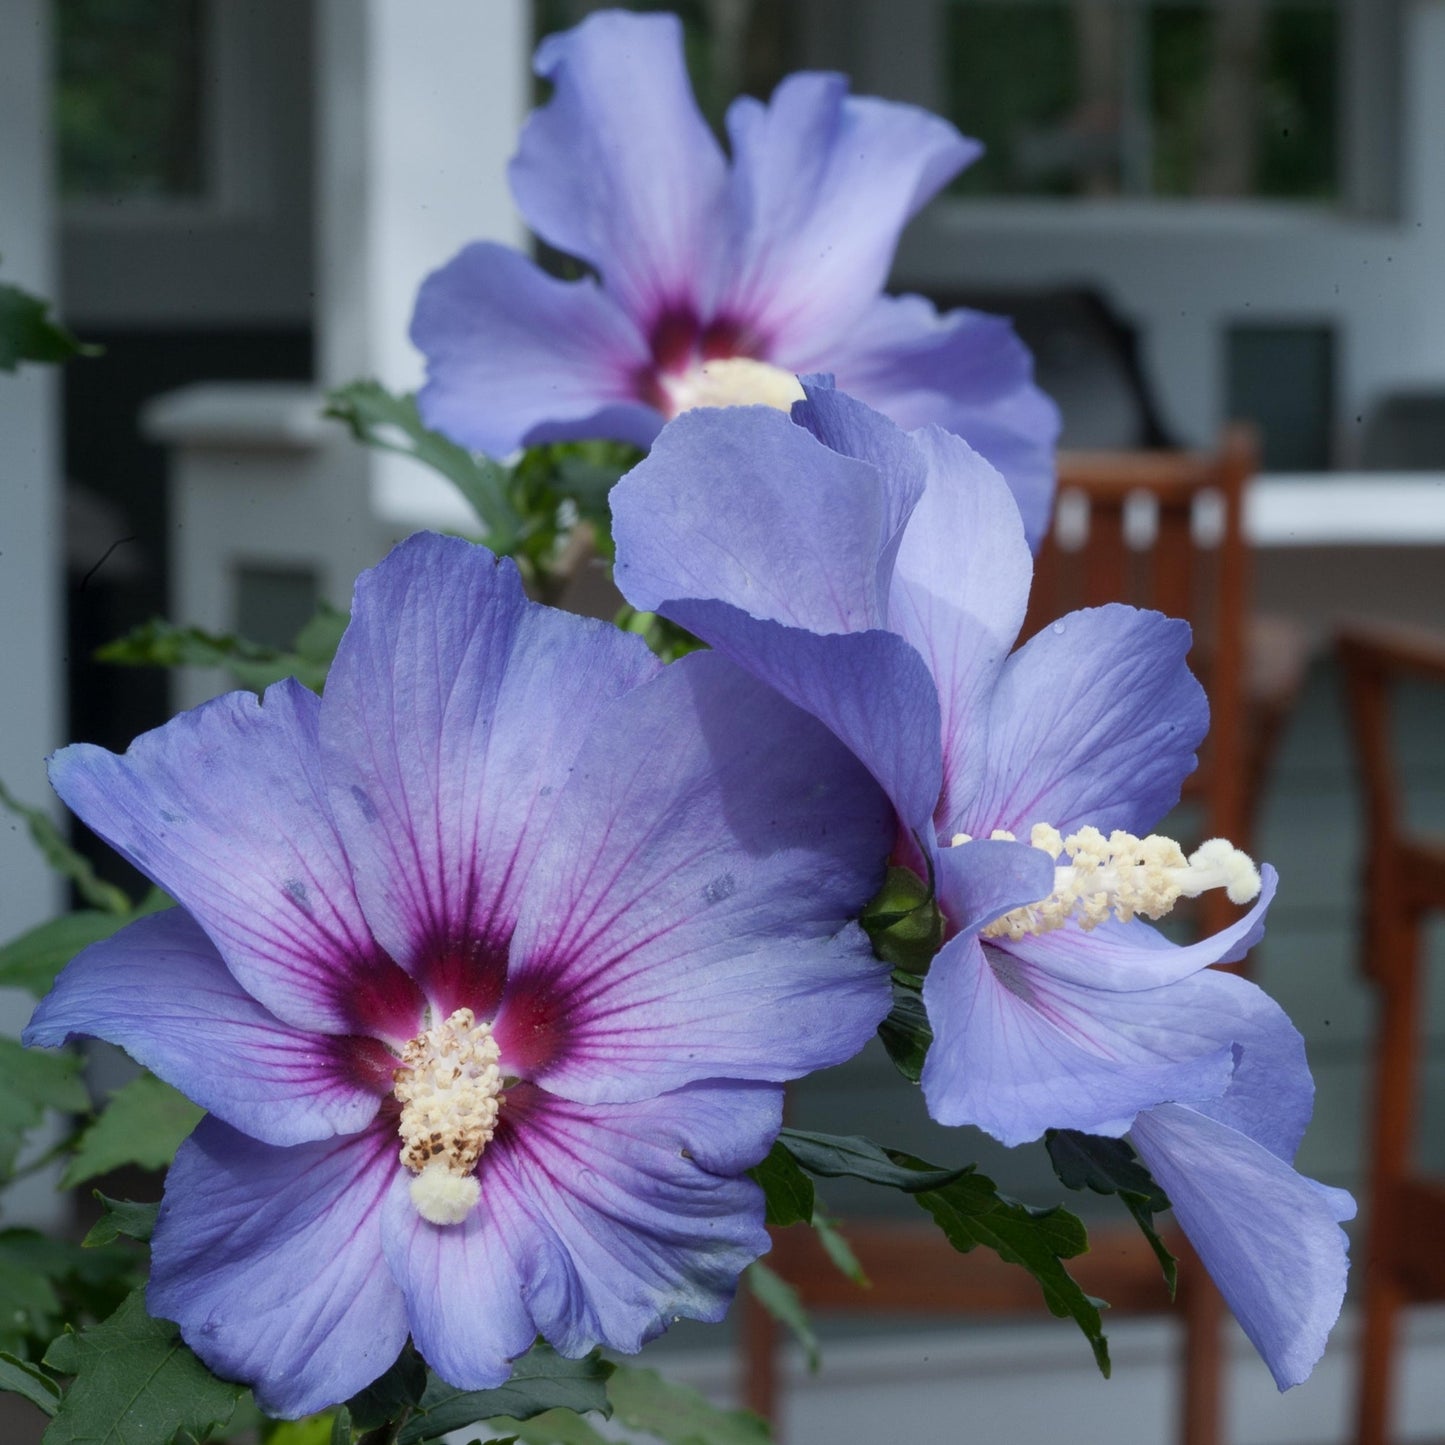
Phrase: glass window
{"type": "Point", "coordinates": [1148, 97]}
{"type": "Point", "coordinates": [128, 98]}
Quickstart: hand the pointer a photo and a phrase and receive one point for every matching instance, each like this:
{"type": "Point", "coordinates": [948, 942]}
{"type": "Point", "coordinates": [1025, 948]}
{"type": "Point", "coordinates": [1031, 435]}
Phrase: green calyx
{"type": "Point", "coordinates": [903, 922]}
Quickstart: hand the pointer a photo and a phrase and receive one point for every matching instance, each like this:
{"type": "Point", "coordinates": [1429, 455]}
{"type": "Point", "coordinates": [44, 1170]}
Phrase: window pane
{"type": "Point", "coordinates": [1162, 97]}
{"type": "Point", "coordinates": [1244, 99]}
{"type": "Point", "coordinates": [128, 111]}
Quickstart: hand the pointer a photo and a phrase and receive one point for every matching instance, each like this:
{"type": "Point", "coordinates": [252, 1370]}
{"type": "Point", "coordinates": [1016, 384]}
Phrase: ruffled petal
{"type": "Point", "coordinates": [159, 990]}
{"type": "Point", "coordinates": [967, 372]}
{"type": "Point", "coordinates": [639, 1213]}
{"type": "Point", "coordinates": [1016, 1051]}
{"type": "Point", "coordinates": [959, 591]}
{"type": "Point", "coordinates": [823, 184]}
{"type": "Point", "coordinates": [270, 1261]}
{"type": "Point", "coordinates": [453, 713]}
{"type": "Point", "coordinates": [689, 914]}
{"type": "Point", "coordinates": [515, 356]}
{"type": "Point", "coordinates": [978, 883]}
{"type": "Point", "coordinates": [224, 808]}
{"type": "Point", "coordinates": [777, 550]}
{"type": "Point", "coordinates": [1094, 721]}
{"type": "Point", "coordinates": [619, 168]}
{"type": "Point", "coordinates": [1134, 955]}
{"type": "Point", "coordinates": [739, 505]}
{"type": "Point", "coordinates": [465, 1284]}
{"type": "Point", "coordinates": [1269, 1237]}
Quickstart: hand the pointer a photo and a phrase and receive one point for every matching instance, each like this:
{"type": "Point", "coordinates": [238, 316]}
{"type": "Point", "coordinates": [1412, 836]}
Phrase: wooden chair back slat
{"type": "Point", "coordinates": [1403, 882]}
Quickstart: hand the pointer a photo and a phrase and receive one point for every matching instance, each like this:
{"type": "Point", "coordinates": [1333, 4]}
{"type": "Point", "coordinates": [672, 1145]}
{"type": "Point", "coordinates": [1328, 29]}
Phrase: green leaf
{"type": "Point", "coordinates": [122, 1217]}
{"type": "Point", "coordinates": [27, 332]}
{"type": "Point", "coordinates": [159, 643]}
{"type": "Point", "coordinates": [44, 1281]}
{"type": "Point", "coordinates": [144, 1123]}
{"type": "Point", "coordinates": [541, 1380]}
{"type": "Point", "coordinates": [839, 1250]}
{"type": "Point", "coordinates": [970, 1211]}
{"type": "Point", "coordinates": [835, 1156]}
{"type": "Point", "coordinates": [64, 859]}
{"type": "Point", "coordinates": [1110, 1166]}
{"type": "Point", "coordinates": [788, 1191]}
{"type": "Point", "coordinates": [32, 1081]}
{"type": "Point", "coordinates": [643, 1400]}
{"type": "Point", "coordinates": [904, 922]}
{"type": "Point", "coordinates": [341, 1427]}
{"type": "Point", "coordinates": [400, 1388]}
{"type": "Point", "coordinates": [781, 1301]}
{"type": "Point", "coordinates": [907, 1034]}
{"type": "Point", "coordinates": [555, 1427]}
{"type": "Point", "coordinates": [30, 1308]}
{"type": "Point", "coordinates": [391, 423]}
{"type": "Point", "coordinates": [20, 1377]}
{"type": "Point", "coordinates": [134, 1381]}
{"type": "Point", "coordinates": [313, 1430]}
{"type": "Point", "coordinates": [32, 960]}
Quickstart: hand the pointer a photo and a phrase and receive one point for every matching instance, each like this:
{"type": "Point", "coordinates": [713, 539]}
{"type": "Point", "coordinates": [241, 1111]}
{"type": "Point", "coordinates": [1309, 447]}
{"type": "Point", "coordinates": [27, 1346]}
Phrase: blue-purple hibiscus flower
{"type": "Point", "coordinates": [779, 258]}
{"type": "Point", "coordinates": [879, 580]}
{"type": "Point", "coordinates": [487, 967]}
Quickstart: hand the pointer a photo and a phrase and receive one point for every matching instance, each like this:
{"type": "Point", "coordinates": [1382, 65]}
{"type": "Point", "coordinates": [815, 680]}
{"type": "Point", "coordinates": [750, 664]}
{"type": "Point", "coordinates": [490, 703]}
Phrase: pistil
{"type": "Point", "coordinates": [450, 1089]}
{"type": "Point", "coordinates": [1121, 877]}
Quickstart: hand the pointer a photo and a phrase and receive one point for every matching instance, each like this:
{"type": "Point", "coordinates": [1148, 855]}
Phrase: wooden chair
{"type": "Point", "coordinates": [1404, 880]}
{"type": "Point", "coordinates": [1156, 528]}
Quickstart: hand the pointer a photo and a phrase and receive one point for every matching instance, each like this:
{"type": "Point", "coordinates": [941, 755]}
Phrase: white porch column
{"type": "Point", "coordinates": [1422, 179]}
{"type": "Point", "coordinates": [30, 569]}
{"type": "Point", "coordinates": [418, 114]}
{"type": "Point", "coordinates": [30, 575]}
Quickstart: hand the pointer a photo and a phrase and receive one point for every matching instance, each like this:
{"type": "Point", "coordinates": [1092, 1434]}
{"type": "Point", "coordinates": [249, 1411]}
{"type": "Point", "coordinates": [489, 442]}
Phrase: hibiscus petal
{"type": "Point", "coordinates": [223, 807]}
{"type": "Point", "coordinates": [744, 529]}
{"type": "Point", "coordinates": [959, 591]}
{"type": "Point", "coordinates": [978, 883]}
{"type": "Point", "coordinates": [620, 169]}
{"type": "Point", "coordinates": [464, 1283]}
{"type": "Point", "coordinates": [1269, 1237]}
{"type": "Point", "coordinates": [1135, 955]}
{"type": "Point", "coordinates": [823, 184]}
{"type": "Point", "coordinates": [689, 915]}
{"type": "Point", "coordinates": [270, 1261]}
{"type": "Point", "coordinates": [452, 716]}
{"type": "Point", "coordinates": [967, 372]}
{"type": "Point", "coordinates": [1016, 1051]}
{"type": "Point", "coordinates": [739, 505]}
{"type": "Point", "coordinates": [635, 1214]}
{"type": "Point", "coordinates": [515, 356]}
{"type": "Point", "coordinates": [1094, 721]}
{"type": "Point", "coordinates": [160, 991]}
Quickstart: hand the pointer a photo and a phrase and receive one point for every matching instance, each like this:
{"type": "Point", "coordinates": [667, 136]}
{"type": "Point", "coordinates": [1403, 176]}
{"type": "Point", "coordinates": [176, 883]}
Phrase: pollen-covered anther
{"type": "Point", "coordinates": [1121, 877]}
{"type": "Point", "coordinates": [450, 1089]}
{"type": "Point", "coordinates": [731, 381]}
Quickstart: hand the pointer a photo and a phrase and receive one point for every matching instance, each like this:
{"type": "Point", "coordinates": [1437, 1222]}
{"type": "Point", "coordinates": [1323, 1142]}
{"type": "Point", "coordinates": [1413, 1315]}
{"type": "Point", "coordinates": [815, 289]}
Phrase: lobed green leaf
{"type": "Point", "coordinates": [541, 1381]}
{"type": "Point", "coordinates": [32, 1081]}
{"type": "Point", "coordinates": [122, 1218]}
{"type": "Point", "coordinates": [28, 332]}
{"type": "Point", "coordinates": [64, 859]}
{"type": "Point", "coordinates": [787, 1190]}
{"type": "Point", "coordinates": [20, 1377]}
{"type": "Point", "coordinates": [835, 1156]}
{"type": "Point", "coordinates": [135, 1381]}
{"type": "Point", "coordinates": [643, 1400]}
{"type": "Point", "coordinates": [1110, 1166]}
{"type": "Point", "coordinates": [144, 1123]}
{"type": "Point", "coordinates": [971, 1212]}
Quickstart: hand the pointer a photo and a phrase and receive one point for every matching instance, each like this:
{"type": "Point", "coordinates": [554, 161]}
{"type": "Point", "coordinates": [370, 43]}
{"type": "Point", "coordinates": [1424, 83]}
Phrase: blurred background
{"type": "Point", "coordinates": [1199, 212]}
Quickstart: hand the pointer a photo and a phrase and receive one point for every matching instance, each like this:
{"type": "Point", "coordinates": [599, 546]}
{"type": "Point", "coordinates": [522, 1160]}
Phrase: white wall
{"type": "Point", "coordinates": [30, 643]}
